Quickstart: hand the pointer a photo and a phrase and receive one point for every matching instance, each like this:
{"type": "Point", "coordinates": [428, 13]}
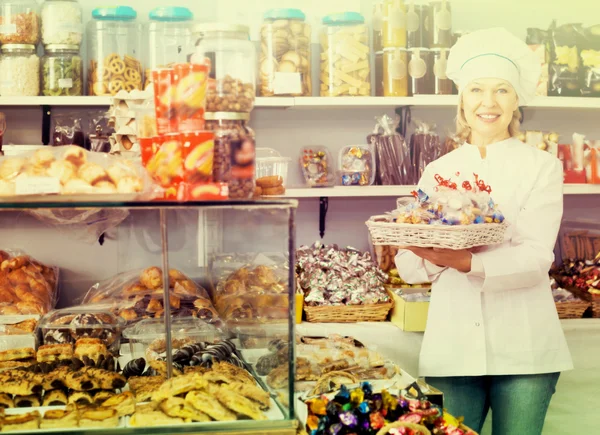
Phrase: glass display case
{"type": "Point", "coordinates": [163, 326]}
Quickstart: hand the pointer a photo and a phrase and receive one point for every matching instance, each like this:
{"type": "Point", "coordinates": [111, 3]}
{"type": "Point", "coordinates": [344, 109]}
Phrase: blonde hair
{"type": "Point", "coordinates": [463, 129]}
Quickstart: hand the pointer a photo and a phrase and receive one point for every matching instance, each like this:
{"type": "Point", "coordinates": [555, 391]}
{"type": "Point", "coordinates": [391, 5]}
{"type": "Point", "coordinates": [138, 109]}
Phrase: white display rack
{"type": "Point", "coordinates": [303, 103]}
{"type": "Point", "coordinates": [396, 191]}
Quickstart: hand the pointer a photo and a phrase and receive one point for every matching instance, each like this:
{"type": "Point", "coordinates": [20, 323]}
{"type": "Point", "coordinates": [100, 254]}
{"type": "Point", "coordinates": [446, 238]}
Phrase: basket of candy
{"type": "Point", "coordinates": [450, 218]}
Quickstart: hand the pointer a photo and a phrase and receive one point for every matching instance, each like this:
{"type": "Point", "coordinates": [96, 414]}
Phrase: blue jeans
{"type": "Point", "coordinates": [518, 402]}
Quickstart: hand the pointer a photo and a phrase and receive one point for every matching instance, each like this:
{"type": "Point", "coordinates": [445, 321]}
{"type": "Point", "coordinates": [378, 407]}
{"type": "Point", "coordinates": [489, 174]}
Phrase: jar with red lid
{"type": "Point", "coordinates": [420, 76]}
{"type": "Point", "coordinates": [234, 159]}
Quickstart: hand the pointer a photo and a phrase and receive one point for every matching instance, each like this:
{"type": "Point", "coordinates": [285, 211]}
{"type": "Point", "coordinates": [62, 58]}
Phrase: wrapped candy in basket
{"type": "Point", "coordinates": [446, 217]}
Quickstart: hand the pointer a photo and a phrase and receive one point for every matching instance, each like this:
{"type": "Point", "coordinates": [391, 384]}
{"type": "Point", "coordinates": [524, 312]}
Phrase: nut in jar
{"type": "Point", "coordinates": [345, 52]}
{"type": "Point", "coordinates": [285, 54]}
{"type": "Point", "coordinates": [113, 74]}
{"type": "Point", "coordinates": [229, 95]}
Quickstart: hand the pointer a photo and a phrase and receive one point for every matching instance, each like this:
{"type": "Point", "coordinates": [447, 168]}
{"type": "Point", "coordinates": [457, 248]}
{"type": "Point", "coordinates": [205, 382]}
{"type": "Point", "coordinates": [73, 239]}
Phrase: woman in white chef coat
{"type": "Point", "coordinates": [493, 337]}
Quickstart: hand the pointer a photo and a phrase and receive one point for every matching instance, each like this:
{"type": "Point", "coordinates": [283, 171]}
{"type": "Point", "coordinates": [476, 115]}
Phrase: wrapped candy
{"type": "Point", "coordinates": [317, 166]}
{"type": "Point", "coordinates": [357, 166]}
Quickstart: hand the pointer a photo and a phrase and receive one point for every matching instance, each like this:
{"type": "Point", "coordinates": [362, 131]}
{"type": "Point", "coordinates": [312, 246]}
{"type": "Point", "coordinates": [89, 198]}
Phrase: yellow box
{"type": "Point", "coordinates": [409, 316]}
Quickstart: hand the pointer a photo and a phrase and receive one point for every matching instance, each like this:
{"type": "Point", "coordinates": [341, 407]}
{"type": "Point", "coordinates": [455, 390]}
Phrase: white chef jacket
{"type": "Point", "coordinates": [499, 319]}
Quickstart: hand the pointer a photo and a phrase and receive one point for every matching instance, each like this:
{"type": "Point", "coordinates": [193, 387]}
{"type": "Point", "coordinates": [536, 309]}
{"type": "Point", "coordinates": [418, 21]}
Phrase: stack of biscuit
{"type": "Point", "coordinates": [269, 186]}
{"type": "Point", "coordinates": [222, 393]}
{"type": "Point", "coordinates": [113, 74]}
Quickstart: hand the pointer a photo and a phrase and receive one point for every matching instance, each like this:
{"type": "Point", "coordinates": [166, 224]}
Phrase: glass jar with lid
{"type": "Point", "coordinates": [345, 54]}
{"type": "Point", "coordinates": [167, 38]}
{"type": "Point", "coordinates": [19, 71]}
{"type": "Point", "coordinates": [61, 22]}
{"type": "Point", "coordinates": [234, 153]}
{"type": "Point", "coordinates": [19, 22]}
{"type": "Point", "coordinates": [285, 54]}
{"type": "Point", "coordinates": [62, 71]}
{"type": "Point", "coordinates": [377, 26]}
{"type": "Point", "coordinates": [113, 37]}
{"type": "Point", "coordinates": [395, 72]}
{"type": "Point", "coordinates": [232, 57]}
{"type": "Point", "coordinates": [394, 23]}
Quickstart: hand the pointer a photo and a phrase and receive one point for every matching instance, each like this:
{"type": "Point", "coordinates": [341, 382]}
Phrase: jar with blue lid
{"type": "Point", "coordinates": [285, 54]}
{"type": "Point", "coordinates": [114, 51]}
{"type": "Point", "coordinates": [345, 56]}
{"type": "Point", "coordinates": [167, 38]}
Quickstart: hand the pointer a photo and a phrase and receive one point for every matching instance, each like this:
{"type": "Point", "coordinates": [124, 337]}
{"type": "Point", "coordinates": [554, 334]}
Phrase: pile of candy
{"type": "Point", "coordinates": [357, 166]}
{"type": "Point", "coordinates": [329, 275]}
{"type": "Point", "coordinates": [361, 411]}
{"type": "Point", "coordinates": [449, 205]}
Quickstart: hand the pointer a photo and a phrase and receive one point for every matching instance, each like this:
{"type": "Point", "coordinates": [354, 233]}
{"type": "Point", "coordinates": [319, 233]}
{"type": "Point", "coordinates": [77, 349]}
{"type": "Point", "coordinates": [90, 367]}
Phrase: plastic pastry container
{"type": "Point", "coordinates": [70, 324]}
{"type": "Point", "coordinates": [317, 166]}
{"type": "Point", "coordinates": [147, 337]}
{"type": "Point", "coordinates": [356, 166]}
{"type": "Point", "coordinates": [269, 162]}
{"type": "Point", "coordinates": [259, 337]}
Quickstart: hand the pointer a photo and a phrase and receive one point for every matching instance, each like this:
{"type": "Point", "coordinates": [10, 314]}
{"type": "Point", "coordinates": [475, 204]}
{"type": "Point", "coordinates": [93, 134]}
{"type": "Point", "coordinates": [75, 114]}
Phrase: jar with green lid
{"type": "Point", "coordinates": [19, 71]}
{"type": "Point", "coordinates": [62, 71]}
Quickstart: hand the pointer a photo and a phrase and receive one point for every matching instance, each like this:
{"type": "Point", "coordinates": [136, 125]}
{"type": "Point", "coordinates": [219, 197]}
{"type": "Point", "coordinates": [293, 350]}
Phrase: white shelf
{"type": "Point", "coordinates": [303, 103]}
{"type": "Point", "coordinates": [397, 191]}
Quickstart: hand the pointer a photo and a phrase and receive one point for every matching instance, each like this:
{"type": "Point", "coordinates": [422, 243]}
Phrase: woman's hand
{"type": "Point", "coordinates": [459, 260]}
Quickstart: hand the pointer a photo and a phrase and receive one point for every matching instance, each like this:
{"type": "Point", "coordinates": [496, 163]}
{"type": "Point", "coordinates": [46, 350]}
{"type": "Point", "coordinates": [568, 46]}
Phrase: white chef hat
{"type": "Point", "coordinates": [495, 53]}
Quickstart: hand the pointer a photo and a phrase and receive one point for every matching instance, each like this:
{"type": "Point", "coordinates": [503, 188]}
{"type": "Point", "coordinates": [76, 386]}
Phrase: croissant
{"type": "Point", "coordinates": [151, 278]}
{"type": "Point", "coordinates": [15, 263]}
{"type": "Point", "coordinates": [19, 276]}
{"type": "Point", "coordinates": [234, 286]}
{"type": "Point", "coordinates": [7, 296]}
{"type": "Point", "coordinates": [186, 288]}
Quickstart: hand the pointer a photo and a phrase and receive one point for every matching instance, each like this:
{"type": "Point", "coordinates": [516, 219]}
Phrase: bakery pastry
{"type": "Point", "coordinates": [21, 422]}
{"type": "Point", "coordinates": [60, 418]}
{"type": "Point", "coordinates": [27, 401]}
{"type": "Point", "coordinates": [80, 380]}
{"type": "Point", "coordinates": [206, 403]}
{"type": "Point", "coordinates": [90, 348]}
{"type": "Point", "coordinates": [178, 407]}
{"type": "Point", "coordinates": [99, 418]}
{"type": "Point", "coordinates": [106, 380]}
{"type": "Point", "coordinates": [17, 354]}
{"type": "Point", "coordinates": [161, 368]}
{"type": "Point", "coordinates": [236, 402]}
{"type": "Point", "coordinates": [19, 385]}
{"type": "Point", "coordinates": [75, 155]}
{"type": "Point", "coordinates": [26, 326]}
{"type": "Point", "coordinates": [103, 395]}
{"type": "Point", "coordinates": [8, 365]}
{"type": "Point", "coordinates": [80, 398]}
{"type": "Point", "coordinates": [153, 418]}
{"type": "Point", "coordinates": [151, 278]}
{"type": "Point", "coordinates": [239, 373]}
{"type": "Point", "coordinates": [144, 386]}
{"type": "Point", "coordinates": [92, 173]}
{"type": "Point", "coordinates": [124, 403]}
{"type": "Point", "coordinates": [56, 379]}
{"type": "Point", "coordinates": [251, 392]}
{"type": "Point", "coordinates": [179, 385]}
{"type": "Point", "coordinates": [55, 398]}
{"type": "Point", "coordinates": [6, 401]}
{"type": "Point", "coordinates": [54, 352]}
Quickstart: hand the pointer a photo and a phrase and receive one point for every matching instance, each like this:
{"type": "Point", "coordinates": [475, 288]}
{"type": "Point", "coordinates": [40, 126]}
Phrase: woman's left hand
{"type": "Point", "coordinates": [459, 260]}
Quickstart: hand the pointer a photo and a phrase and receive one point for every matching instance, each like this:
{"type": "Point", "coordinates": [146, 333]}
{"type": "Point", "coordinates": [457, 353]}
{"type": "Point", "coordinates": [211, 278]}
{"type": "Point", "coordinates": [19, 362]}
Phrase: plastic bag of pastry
{"type": "Point", "coordinates": [138, 295]}
{"type": "Point", "coordinates": [67, 130]}
{"type": "Point", "coordinates": [565, 61]}
{"type": "Point", "coordinates": [98, 133]}
{"type": "Point", "coordinates": [26, 285]}
{"type": "Point", "coordinates": [425, 147]}
{"type": "Point", "coordinates": [590, 62]}
{"type": "Point", "coordinates": [86, 225]}
{"type": "Point", "coordinates": [71, 170]}
{"type": "Point", "coordinates": [392, 155]}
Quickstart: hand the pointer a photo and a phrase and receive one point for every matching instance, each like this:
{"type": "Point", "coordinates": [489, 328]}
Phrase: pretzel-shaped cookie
{"type": "Point", "coordinates": [132, 75]}
{"type": "Point", "coordinates": [115, 86]}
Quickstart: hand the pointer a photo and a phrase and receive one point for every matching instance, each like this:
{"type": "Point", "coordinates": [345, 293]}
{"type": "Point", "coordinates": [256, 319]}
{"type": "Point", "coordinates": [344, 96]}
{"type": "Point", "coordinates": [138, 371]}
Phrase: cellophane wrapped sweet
{"type": "Point", "coordinates": [425, 147]}
{"type": "Point", "coordinates": [362, 410]}
{"type": "Point", "coordinates": [329, 275]}
{"type": "Point", "coordinates": [26, 285]}
{"type": "Point", "coordinates": [392, 154]}
{"type": "Point", "coordinates": [448, 204]}
{"type": "Point", "coordinates": [138, 295]}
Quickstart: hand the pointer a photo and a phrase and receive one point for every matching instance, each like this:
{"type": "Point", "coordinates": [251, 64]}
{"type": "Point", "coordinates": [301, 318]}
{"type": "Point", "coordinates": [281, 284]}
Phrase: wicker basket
{"type": "Point", "coordinates": [348, 313]}
{"type": "Point", "coordinates": [572, 309]}
{"type": "Point", "coordinates": [417, 428]}
{"type": "Point", "coordinates": [457, 237]}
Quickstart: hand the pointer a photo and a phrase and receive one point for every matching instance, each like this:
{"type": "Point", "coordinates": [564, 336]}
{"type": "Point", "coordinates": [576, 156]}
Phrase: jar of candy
{"type": "Point", "coordinates": [357, 166]}
{"type": "Point", "coordinates": [167, 38]}
{"type": "Point", "coordinates": [377, 26]}
{"type": "Point", "coordinates": [62, 22]}
{"type": "Point", "coordinates": [19, 71]}
{"type": "Point", "coordinates": [114, 51]}
{"type": "Point", "coordinates": [62, 71]}
{"type": "Point", "coordinates": [442, 85]}
{"type": "Point", "coordinates": [419, 22]}
{"type": "Point", "coordinates": [19, 22]}
{"type": "Point", "coordinates": [420, 72]}
{"type": "Point", "coordinates": [232, 57]}
{"type": "Point", "coordinates": [395, 75]}
{"type": "Point", "coordinates": [285, 53]}
{"type": "Point", "coordinates": [442, 36]}
{"type": "Point", "coordinates": [394, 23]}
{"type": "Point", "coordinates": [345, 56]}
{"type": "Point", "coordinates": [234, 153]}
{"type": "Point", "coordinates": [317, 166]}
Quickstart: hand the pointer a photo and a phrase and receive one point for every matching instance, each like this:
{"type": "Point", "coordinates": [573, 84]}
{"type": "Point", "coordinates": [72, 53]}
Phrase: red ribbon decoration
{"type": "Point", "coordinates": [414, 193]}
{"type": "Point", "coordinates": [467, 186]}
{"type": "Point", "coordinates": [481, 185]}
{"type": "Point", "coordinates": [443, 182]}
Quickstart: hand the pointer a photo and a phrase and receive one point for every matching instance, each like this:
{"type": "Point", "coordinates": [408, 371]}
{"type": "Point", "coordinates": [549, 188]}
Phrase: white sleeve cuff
{"type": "Point", "coordinates": [477, 268]}
{"type": "Point", "coordinates": [433, 269]}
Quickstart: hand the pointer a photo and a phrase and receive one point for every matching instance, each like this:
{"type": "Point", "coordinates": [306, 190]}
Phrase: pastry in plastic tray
{"type": "Point", "coordinates": [76, 325]}
{"type": "Point", "coordinates": [26, 285]}
{"type": "Point", "coordinates": [139, 295]}
{"type": "Point", "coordinates": [71, 170]}
{"type": "Point", "coordinates": [255, 293]}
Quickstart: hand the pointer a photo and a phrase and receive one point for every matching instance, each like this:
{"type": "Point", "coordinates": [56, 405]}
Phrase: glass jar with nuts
{"type": "Point", "coordinates": [232, 56]}
{"type": "Point", "coordinates": [285, 54]}
{"type": "Point", "coordinates": [234, 153]}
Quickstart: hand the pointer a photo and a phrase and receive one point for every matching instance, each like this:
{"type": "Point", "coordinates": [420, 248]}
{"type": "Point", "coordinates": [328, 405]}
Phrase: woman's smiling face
{"type": "Point", "coordinates": [488, 106]}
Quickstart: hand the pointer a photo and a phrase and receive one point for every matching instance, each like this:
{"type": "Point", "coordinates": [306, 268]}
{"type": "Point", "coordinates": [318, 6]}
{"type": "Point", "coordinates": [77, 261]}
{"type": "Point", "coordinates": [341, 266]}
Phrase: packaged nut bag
{"type": "Point", "coordinates": [565, 62]}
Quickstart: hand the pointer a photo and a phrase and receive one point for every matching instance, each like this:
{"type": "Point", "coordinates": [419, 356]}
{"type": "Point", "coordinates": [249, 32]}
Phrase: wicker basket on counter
{"type": "Point", "coordinates": [384, 232]}
{"type": "Point", "coordinates": [572, 309]}
{"type": "Point", "coordinates": [348, 313]}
